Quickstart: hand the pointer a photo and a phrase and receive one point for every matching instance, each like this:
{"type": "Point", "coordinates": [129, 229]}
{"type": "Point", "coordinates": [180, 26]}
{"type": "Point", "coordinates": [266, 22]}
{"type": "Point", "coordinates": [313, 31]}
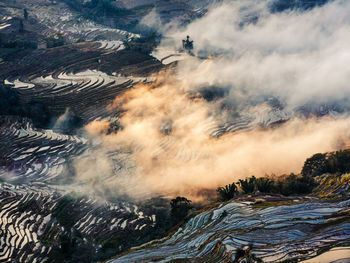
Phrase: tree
{"type": "Point", "coordinates": [25, 14]}
{"type": "Point", "coordinates": [179, 208]}
{"type": "Point", "coordinates": [264, 185]}
{"type": "Point", "coordinates": [248, 185]}
{"type": "Point", "coordinates": [227, 192]}
{"type": "Point", "coordinates": [315, 165]}
{"type": "Point", "coordinates": [318, 164]}
{"type": "Point", "coordinates": [187, 44]}
{"type": "Point", "coordinates": [294, 184]}
{"type": "Point", "coordinates": [21, 26]}
{"type": "Point", "coordinates": [55, 40]}
{"type": "Point", "coordinates": [341, 162]}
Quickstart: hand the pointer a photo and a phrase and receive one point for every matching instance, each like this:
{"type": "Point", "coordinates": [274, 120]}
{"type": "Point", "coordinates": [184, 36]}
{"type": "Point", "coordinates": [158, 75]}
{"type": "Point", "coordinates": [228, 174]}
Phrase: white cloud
{"type": "Point", "coordinates": [296, 56]}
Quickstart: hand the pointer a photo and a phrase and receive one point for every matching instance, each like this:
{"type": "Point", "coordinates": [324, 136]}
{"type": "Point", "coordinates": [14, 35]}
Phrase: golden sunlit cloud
{"type": "Point", "coordinates": [166, 131]}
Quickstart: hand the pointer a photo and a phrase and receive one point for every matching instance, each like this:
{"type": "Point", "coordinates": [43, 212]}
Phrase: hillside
{"type": "Point", "coordinates": [174, 131]}
{"type": "Point", "coordinates": [264, 227]}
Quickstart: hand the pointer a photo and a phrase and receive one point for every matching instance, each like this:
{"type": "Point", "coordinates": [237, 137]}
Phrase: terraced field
{"type": "Point", "coordinates": [58, 17]}
{"type": "Point", "coordinates": [263, 116]}
{"type": "Point", "coordinates": [34, 218]}
{"type": "Point", "coordinates": [72, 80]}
{"type": "Point", "coordinates": [273, 234]}
{"type": "Point", "coordinates": [72, 76]}
{"type": "Point", "coordinates": [37, 208]}
{"type": "Point", "coordinates": [50, 214]}
{"type": "Point", "coordinates": [74, 91]}
{"type": "Point", "coordinates": [38, 211]}
{"type": "Point", "coordinates": [35, 155]}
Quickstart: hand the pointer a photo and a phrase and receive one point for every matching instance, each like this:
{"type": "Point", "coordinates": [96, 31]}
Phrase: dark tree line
{"type": "Point", "coordinates": [17, 43]}
{"type": "Point", "coordinates": [321, 163]}
{"type": "Point", "coordinates": [143, 44]}
{"type": "Point", "coordinates": [38, 112]}
{"type": "Point", "coordinates": [318, 164]}
{"type": "Point", "coordinates": [287, 185]}
{"type": "Point", "coordinates": [98, 9]}
{"type": "Point", "coordinates": [55, 40]}
{"type": "Point", "coordinates": [179, 208]}
{"type": "Point", "coordinates": [10, 105]}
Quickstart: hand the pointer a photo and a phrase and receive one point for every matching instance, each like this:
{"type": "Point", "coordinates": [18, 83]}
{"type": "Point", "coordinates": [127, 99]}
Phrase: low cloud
{"type": "Point", "coordinates": [165, 146]}
{"type": "Point", "coordinates": [166, 136]}
{"type": "Point", "coordinates": [298, 57]}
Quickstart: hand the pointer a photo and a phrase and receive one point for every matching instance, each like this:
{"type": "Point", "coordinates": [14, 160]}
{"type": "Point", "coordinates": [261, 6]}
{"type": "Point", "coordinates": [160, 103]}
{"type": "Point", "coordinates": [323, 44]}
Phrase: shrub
{"type": "Point", "coordinates": [72, 248]}
{"type": "Point", "coordinates": [9, 102]}
{"type": "Point", "coordinates": [38, 112]}
{"type": "Point", "coordinates": [294, 184]}
{"type": "Point", "coordinates": [339, 162]}
{"type": "Point", "coordinates": [25, 14]}
{"type": "Point", "coordinates": [179, 208]}
{"type": "Point", "coordinates": [318, 164]}
{"type": "Point", "coordinates": [55, 41]}
{"type": "Point", "coordinates": [264, 185]}
{"type": "Point", "coordinates": [287, 185]}
{"type": "Point", "coordinates": [248, 185]}
{"type": "Point", "coordinates": [315, 165]}
{"type": "Point", "coordinates": [19, 44]}
{"type": "Point", "coordinates": [64, 210]}
{"type": "Point", "coordinates": [227, 192]}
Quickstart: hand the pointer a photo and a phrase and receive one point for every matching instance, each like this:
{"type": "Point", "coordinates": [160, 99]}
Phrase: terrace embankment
{"type": "Point", "coordinates": [40, 224]}
{"type": "Point", "coordinates": [238, 229]}
{"type": "Point", "coordinates": [83, 77]}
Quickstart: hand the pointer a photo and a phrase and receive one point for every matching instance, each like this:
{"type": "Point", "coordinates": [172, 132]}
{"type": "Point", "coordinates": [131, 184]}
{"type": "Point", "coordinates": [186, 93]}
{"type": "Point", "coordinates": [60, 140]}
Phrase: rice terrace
{"type": "Point", "coordinates": [174, 131]}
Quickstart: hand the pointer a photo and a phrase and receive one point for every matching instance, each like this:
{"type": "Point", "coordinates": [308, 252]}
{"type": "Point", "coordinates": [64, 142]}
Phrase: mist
{"type": "Point", "coordinates": [166, 144]}
{"type": "Point", "coordinates": [165, 147]}
{"type": "Point", "coordinates": [297, 56]}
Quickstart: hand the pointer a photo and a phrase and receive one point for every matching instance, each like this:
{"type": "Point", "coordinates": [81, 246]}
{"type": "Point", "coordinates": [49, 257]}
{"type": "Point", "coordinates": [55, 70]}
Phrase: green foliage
{"type": "Point", "coordinates": [294, 184]}
{"type": "Point", "coordinates": [179, 208]}
{"type": "Point", "coordinates": [264, 185]}
{"type": "Point", "coordinates": [318, 164]}
{"type": "Point", "coordinates": [227, 192]}
{"type": "Point", "coordinates": [288, 185]}
{"type": "Point", "coordinates": [64, 210]}
{"type": "Point", "coordinates": [315, 165]}
{"type": "Point", "coordinates": [9, 42]}
{"type": "Point", "coordinates": [248, 185]}
{"type": "Point", "coordinates": [161, 209]}
{"type": "Point", "coordinates": [339, 162]}
{"type": "Point", "coordinates": [165, 220]}
{"type": "Point", "coordinates": [72, 248]}
{"type": "Point", "coordinates": [19, 44]}
{"type": "Point", "coordinates": [143, 44]}
{"type": "Point", "coordinates": [55, 41]}
{"type": "Point", "coordinates": [38, 112]}
{"type": "Point", "coordinates": [114, 244]}
{"type": "Point", "coordinates": [28, 206]}
{"type": "Point", "coordinates": [111, 246]}
{"type": "Point", "coordinates": [97, 9]}
{"type": "Point", "coordinates": [9, 102]}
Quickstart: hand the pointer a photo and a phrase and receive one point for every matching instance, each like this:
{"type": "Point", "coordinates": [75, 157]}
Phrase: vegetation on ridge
{"type": "Point", "coordinates": [321, 163]}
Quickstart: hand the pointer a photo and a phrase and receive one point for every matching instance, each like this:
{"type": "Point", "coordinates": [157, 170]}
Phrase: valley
{"type": "Point", "coordinates": [117, 144]}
